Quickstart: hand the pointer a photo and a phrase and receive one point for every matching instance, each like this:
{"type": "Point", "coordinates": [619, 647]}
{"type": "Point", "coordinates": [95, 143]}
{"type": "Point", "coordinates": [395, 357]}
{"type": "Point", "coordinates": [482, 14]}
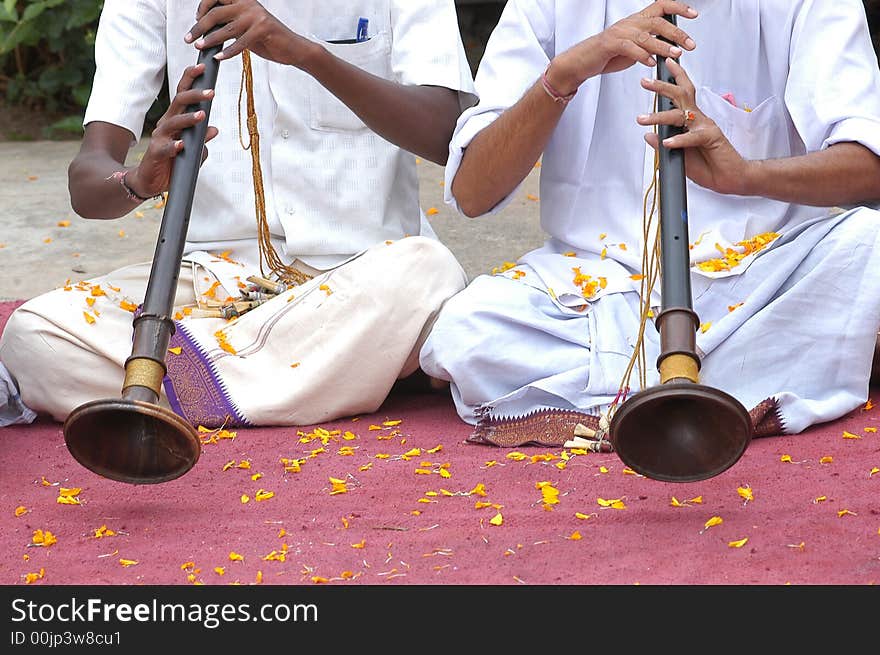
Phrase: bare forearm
{"type": "Point", "coordinates": [504, 153]}
{"type": "Point", "coordinates": [844, 174]}
{"type": "Point", "coordinates": [419, 119]}
{"type": "Point", "coordinates": [92, 194]}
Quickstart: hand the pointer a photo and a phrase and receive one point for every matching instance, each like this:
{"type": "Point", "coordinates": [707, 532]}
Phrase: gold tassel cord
{"type": "Point", "coordinates": [650, 275]}
{"type": "Point", "coordinates": [268, 254]}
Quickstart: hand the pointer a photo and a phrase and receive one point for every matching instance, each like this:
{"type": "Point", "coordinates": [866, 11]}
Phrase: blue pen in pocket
{"type": "Point", "coordinates": [363, 31]}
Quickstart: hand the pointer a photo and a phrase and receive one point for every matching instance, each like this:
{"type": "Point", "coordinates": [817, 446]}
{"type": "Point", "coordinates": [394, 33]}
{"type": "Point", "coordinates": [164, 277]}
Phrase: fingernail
{"type": "Point", "coordinates": [219, 56]}
{"type": "Point", "coordinates": [667, 142]}
{"type": "Point", "coordinates": [675, 51]}
{"type": "Point", "coordinates": [692, 11]}
{"type": "Point", "coordinates": [642, 117]}
{"type": "Point", "coordinates": [208, 92]}
{"type": "Point", "coordinates": [690, 43]}
{"type": "Point", "coordinates": [200, 43]}
{"type": "Point", "coordinates": [188, 38]}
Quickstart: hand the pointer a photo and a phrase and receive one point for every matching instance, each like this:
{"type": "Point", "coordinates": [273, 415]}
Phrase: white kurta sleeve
{"type": "Point", "coordinates": [130, 56]}
{"type": "Point", "coordinates": [427, 48]}
{"type": "Point", "coordinates": [833, 92]}
{"type": "Point", "coordinates": [516, 55]}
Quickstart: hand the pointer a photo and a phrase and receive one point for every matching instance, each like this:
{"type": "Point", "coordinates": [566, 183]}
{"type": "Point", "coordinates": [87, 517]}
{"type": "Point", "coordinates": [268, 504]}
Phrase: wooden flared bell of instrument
{"type": "Point", "coordinates": [131, 441]}
{"type": "Point", "coordinates": [133, 438]}
{"type": "Point", "coordinates": [681, 430]}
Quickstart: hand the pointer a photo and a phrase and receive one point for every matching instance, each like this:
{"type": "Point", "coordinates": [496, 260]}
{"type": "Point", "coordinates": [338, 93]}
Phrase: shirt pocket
{"type": "Point", "coordinates": [756, 134]}
{"type": "Point", "coordinates": [327, 112]}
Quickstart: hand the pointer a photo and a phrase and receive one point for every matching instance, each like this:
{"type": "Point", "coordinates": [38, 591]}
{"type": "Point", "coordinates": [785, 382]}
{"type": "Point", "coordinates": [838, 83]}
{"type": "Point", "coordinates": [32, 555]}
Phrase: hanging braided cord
{"type": "Point", "coordinates": [268, 254]}
{"type": "Point", "coordinates": [650, 275]}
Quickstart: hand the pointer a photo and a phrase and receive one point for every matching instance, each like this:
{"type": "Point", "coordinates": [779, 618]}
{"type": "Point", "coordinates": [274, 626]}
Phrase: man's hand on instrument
{"type": "Point", "coordinates": [710, 159]}
{"type": "Point", "coordinates": [634, 39]}
{"type": "Point", "coordinates": [251, 27]}
{"type": "Point", "coordinates": [153, 175]}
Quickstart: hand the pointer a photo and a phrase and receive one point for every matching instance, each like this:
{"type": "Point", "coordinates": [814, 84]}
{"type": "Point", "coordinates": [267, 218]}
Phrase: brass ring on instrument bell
{"type": "Point", "coordinates": [678, 366]}
{"type": "Point", "coordinates": [143, 372]}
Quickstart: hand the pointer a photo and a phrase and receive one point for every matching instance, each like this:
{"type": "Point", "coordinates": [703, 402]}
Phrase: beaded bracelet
{"type": "Point", "coordinates": [119, 176]}
{"type": "Point", "coordinates": [553, 93]}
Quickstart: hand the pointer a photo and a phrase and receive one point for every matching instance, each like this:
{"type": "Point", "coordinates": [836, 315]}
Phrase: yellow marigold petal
{"type": "Point", "coordinates": [497, 519]}
{"type": "Point", "coordinates": [128, 562]}
{"type": "Point", "coordinates": [30, 578]}
{"type": "Point", "coordinates": [738, 544]}
{"type": "Point", "coordinates": [43, 538]}
{"type": "Point", "coordinates": [89, 318]}
{"type": "Point", "coordinates": [746, 493]}
{"type": "Point", "coordinates": [828, 459]}
{"type": "Point", "coordinates": [850, 435]}
{"type": "Point", "coordinates": [361, 544]}
{"type": "Point", "coordinates": [479, 490]}
{"type": "Point", "coordinates": [21, 510]}
{"type": "Point", "coordinates": [575, 536]}
{"type": "Point", "coordinates": [235, 557]}
{"type": "Point", "coordinates": [715, 520]}
{"type": "Point", "coordinates": [432, 211]}
{"type": "Point", "coordinates": [176, 350]}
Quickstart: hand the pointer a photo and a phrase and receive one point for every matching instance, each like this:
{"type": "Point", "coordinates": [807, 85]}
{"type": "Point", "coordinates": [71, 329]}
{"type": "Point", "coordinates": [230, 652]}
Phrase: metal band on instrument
{"type": "Point", "coordinates": [679, 367]}
{"type": "Point", "coordinates": [143, 372]}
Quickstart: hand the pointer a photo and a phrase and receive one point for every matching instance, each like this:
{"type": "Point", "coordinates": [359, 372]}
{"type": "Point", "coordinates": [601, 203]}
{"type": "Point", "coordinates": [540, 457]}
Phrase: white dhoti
{"type": "Point", "coordinates": [791, 336]}
{"type": "Point", "coordinates": [331, 347]}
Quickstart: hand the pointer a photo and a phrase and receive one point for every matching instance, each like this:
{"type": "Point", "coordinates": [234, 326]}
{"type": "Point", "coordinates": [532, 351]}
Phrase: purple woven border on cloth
{"type": "Point", "coordinates": [194, 388]}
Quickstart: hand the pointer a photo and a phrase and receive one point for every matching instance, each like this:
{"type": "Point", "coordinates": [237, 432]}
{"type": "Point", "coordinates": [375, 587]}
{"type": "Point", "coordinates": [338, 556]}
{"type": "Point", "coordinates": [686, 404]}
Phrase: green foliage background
{"type": "Point", "coordinates": [47, 55]}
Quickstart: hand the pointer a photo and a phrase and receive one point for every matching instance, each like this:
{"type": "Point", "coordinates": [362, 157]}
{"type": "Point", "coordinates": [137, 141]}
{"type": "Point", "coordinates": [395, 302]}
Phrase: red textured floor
{"type": "Point", "coordinates": [422, 507]}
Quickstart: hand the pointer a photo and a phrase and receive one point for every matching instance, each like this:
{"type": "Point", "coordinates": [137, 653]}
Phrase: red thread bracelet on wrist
{"type": "Point", "coordinates": [553, 93]}
{"type": "Point", "coordinates": [119, 176]}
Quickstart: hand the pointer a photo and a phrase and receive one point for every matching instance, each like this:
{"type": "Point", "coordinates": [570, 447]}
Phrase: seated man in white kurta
{"type": "Point", "coordinates": [346, 94]}
{"type": "Point", "coordinates": [780, 102]}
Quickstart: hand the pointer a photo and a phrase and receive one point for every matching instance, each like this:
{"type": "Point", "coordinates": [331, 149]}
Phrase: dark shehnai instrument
{"type": "Point", "coordinates": [680, 430]}
{"type": "Point", "coordinates": [133, 438]}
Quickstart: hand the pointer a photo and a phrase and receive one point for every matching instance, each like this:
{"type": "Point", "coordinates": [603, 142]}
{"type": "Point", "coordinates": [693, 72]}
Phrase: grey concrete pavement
{"type": "Point", "coordinates": [43, 243]}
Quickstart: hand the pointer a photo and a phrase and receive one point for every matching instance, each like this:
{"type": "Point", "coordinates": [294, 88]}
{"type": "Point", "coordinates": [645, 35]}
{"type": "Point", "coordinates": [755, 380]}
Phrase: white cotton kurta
{"type": "Point", "coordinates": [333, 187]}
{"type": "Point", "coordinates": [795, 323]}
